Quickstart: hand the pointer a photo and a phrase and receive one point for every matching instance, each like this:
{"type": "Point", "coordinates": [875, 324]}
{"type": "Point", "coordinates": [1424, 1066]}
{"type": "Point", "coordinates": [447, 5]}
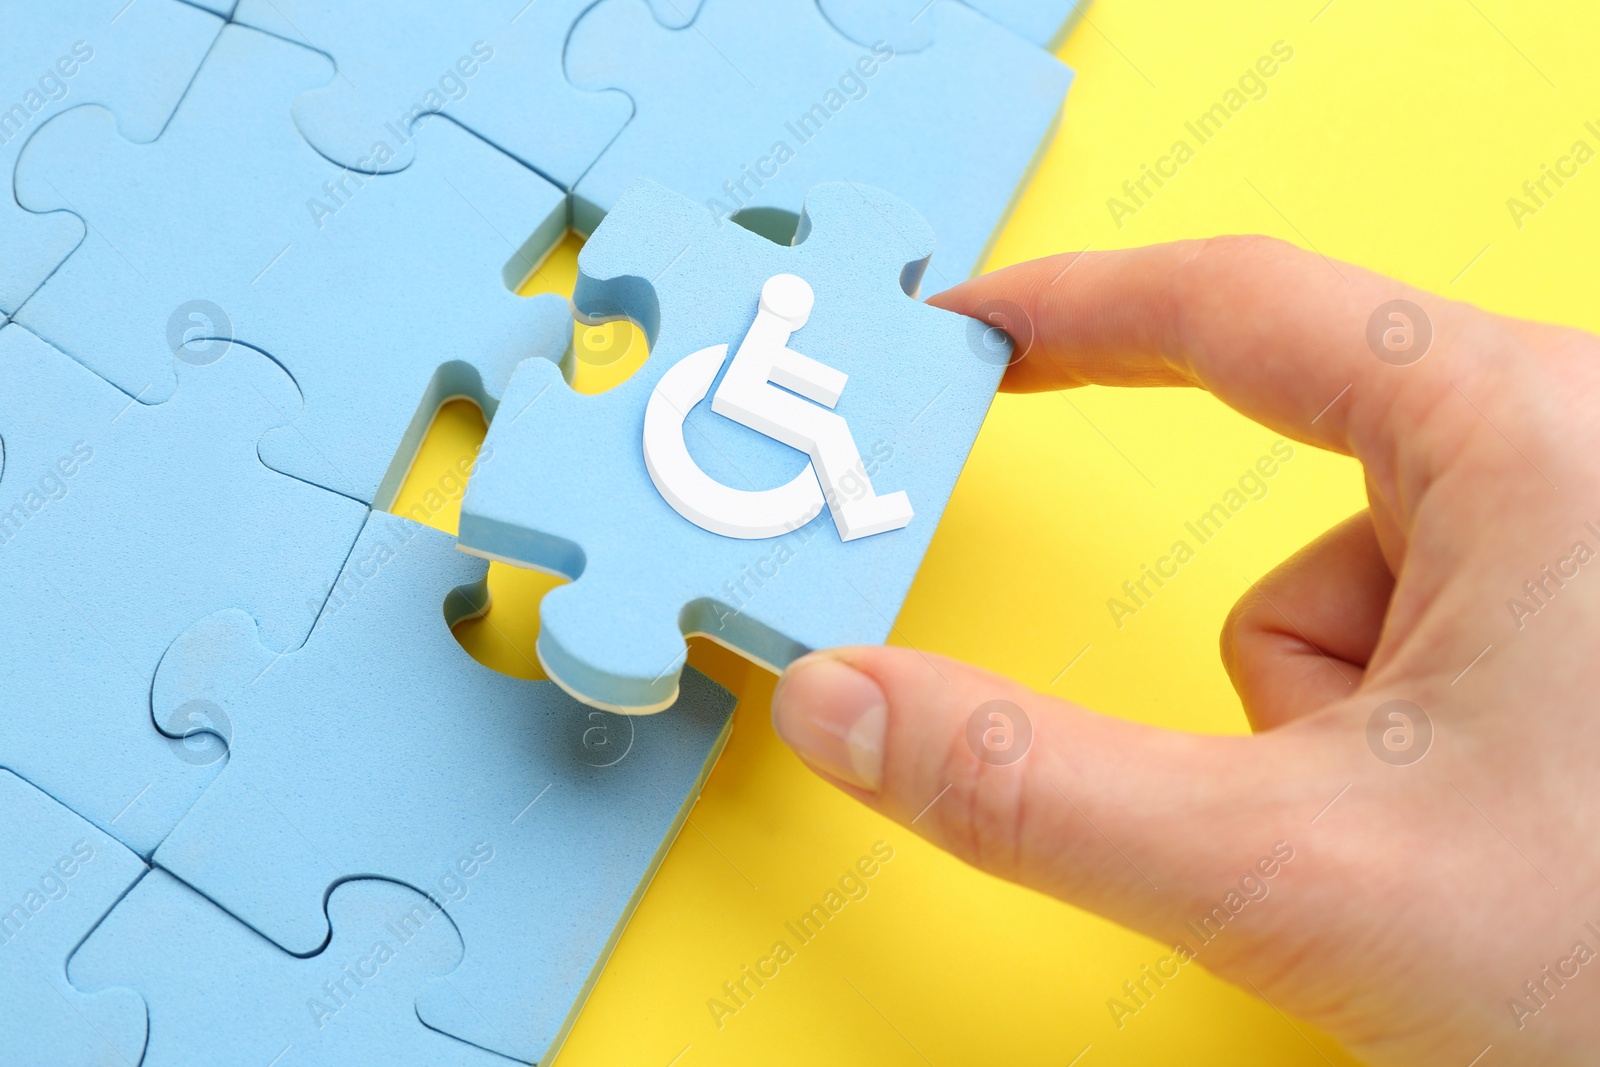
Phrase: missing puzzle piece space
{"type": "Point", "coordinates": [743, 113]}
{"type": "Point", "coordinates": [570, 491]}
{"type": "Point", "coordinates": [220, 994]}
{"type": "Point", "coordinates": [58, 876]}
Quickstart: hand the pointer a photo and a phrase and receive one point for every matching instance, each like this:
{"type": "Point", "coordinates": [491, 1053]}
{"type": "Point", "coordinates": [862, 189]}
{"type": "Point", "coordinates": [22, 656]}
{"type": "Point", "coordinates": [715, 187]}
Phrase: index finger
{"type": "Point", "coordinates": [1312, 348]}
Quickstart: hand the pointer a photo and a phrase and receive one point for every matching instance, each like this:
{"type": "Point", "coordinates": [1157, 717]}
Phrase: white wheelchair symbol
{"type": "Point", "coordinates": [774, 391]}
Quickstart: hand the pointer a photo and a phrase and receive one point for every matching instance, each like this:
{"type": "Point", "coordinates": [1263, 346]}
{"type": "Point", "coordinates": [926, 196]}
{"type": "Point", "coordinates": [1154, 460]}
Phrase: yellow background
{"type": "Point", "coordinates": [1393, 139]}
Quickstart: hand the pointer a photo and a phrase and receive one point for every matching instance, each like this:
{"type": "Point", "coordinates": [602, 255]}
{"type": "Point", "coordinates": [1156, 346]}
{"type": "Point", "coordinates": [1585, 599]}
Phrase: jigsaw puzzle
{"type": "Point", "coordinates": [381, 296]}
{"type": "Point", "coordinates": [221, 995]}
{"type": "Point", "coordinates": [494, 67]}
{"type": "Point", "coordinates": [903, 23]}
{"type": "Point", "coordinates": [135, 60]}
{"type": "Point", "coordinates": [120, 524]}
{"type": "Point", "coordinates": [744, 114]}
{"type": "Point", "coordinates": [246, 264]}
{"type": "Point", "coordinates": [570, 490]}
{"type": "Point", "coordinates": [381, 749]}
{"type": "Point", "coordinates": [58, 877]}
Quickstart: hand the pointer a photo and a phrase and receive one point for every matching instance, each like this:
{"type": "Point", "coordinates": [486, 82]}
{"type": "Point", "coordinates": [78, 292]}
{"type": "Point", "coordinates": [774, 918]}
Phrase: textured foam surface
{"type": "Point", "coordinates": [120, 524]}
{"type": "Point", "coordinates": [380, 296]}
{"type": "Point", "coordinates": [58, 877]}
{"type": "Point", "coordinates": [221, 995]}
{"type": "Point", "coordinates": [135, 60]}
{"type": "Point", "coordinates": [381, 749]}
{"type": "Point", "coordinates": [491, 65]}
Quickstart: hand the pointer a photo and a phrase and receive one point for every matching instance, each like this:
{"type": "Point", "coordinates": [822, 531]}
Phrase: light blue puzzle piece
{"type": "Point", "coordinates": [494, 66]}
{"type": "Point", "coordinates": [120, 524]}
{"type": "Point", "coordinates": [219, 7]}
{"type": "Point", "coordinates": [223, 996]}
{"type": "Point", "coordinates": [904, 24]}
{"type": "Point", "coordinates": [381, 749]}
{"type": "Point", "coordinates": [381, 297]}
{"type": "Point", "coordinates": [135, 60]}
{"type": "Point", "coordinates": [58, 877]}
{"type": "Point", "coordinates": [746, 112]}
{"type": "Point", "coordinates": [569, 491]}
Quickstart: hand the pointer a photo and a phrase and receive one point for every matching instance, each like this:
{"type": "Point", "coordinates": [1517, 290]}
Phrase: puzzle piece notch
{"type": "Point", "coordinates": [120, 523]}
{"type": "Point", "coordinates": [1045, 23]}
{"type": "Point", "coordinates": [220, 994]}
{"type": "Point", "coordinates": [233, 207]}
{"type": "Point", "coordinates": [135, 61]}
{"type": "Point", "coordinates": [498, 796]}
{"type": "Point", "coordinates": [58, 877]}
{"type": "Point", "coordinates": [918, 389]}
{"type": "Point", "coordinates": [496, 70]}
{"type": "Point", "coordinates": [954, 129]}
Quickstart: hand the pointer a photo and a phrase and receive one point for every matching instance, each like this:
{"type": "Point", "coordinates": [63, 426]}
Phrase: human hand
{"type": "Point", "coordinates": [1434, 865]}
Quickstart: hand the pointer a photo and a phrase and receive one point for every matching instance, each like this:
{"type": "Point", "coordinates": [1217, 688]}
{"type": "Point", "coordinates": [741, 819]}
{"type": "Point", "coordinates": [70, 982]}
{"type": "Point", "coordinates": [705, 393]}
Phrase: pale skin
{"type": "Point", "coordinates": [1422, 897]}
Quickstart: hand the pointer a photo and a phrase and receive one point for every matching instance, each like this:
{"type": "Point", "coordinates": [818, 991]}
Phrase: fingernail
{"type": "Point", "coordinates": [834, 717]}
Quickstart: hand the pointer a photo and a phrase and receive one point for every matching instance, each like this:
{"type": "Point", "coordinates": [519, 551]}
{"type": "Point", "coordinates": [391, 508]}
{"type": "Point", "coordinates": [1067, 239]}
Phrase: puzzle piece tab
{"type": "Point", "coordinates": [381, 296]}
{"type": "Point", "coordinates": [903, 22]}
{"type": "Point", "coordinates": [495, 67]}
{"type": "Point", "coordinates": [570, 491]}
{"type": "Point", "coordinates": [223, 996]}
{"type": "Point", "coordinates": [382, 749]}
{"type": "Point", "coordinates": [58, 877]}
{"type": "Point", "coordinates": [120, 524]}
{"type": "Point", "coordinates": [744, 113]}
{"type": "Point", "coordinates": [135, 60]}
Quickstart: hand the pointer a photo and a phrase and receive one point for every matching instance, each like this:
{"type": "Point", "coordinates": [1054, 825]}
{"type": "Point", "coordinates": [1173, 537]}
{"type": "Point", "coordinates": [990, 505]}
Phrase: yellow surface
{"type": "Point", "coordinates": [1393, 138]}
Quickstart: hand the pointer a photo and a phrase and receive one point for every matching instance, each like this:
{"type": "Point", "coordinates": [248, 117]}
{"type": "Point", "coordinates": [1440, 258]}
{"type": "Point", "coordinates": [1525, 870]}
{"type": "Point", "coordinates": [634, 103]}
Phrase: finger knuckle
{"type": "Point", "coordinates": [984, 812]}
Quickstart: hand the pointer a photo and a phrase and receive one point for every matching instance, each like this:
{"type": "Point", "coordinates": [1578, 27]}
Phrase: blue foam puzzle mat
{"type": "Point", "coordinates": [136, 61]}
{"type": "Point", "coordinates": [120, 524]}
{"type": "Point", "coordinates": [58, 877]}
{"type": "Point", "coordinates": [744, 114]}
{"type": "Point", "coordinates": [569, 490]}
{"type": "Point", "coordinates": [902, 22]}
{"type": "Point", "coordinates": [381, 749]}
{"type": "Point", "coordinates": [491, 65]}
{"type": "Point", "coordinates": [221, 995]}
{"type": "Point", "coordinates": [381, 296]}
{"type": "Point", "coordinates": [217, 7]}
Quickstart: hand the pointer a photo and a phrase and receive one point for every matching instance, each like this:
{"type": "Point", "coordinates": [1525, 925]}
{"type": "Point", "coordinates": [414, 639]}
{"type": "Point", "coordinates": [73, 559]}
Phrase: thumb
{"type": "Point", "coordinates": [1142, 825]}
